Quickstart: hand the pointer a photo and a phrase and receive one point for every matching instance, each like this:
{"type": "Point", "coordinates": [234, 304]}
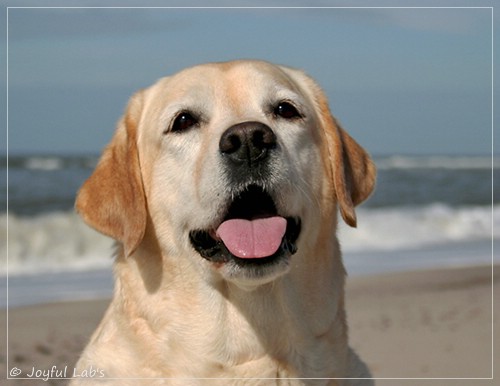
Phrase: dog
{"type": "Point", "coordinates": [221, 186]}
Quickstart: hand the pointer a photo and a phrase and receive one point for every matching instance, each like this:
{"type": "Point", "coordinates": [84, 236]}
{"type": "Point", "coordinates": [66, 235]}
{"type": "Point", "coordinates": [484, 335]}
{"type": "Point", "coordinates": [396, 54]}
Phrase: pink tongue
{"type": "Point", "coordinates": [252, 239]}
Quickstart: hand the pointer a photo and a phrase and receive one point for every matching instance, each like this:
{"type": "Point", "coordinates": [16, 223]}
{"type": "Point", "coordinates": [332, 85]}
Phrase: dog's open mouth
{"type": "Point", "coordinates": [252, 232]}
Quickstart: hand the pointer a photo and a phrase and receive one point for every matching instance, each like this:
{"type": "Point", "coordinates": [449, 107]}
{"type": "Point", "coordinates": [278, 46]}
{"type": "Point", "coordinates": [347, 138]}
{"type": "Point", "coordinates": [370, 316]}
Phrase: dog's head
{"type": "Point", "coordinates": [238, 165]}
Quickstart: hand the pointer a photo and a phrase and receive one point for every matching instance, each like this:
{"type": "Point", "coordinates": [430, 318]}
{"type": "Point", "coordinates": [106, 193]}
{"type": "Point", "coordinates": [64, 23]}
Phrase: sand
{"type": "Point", "coordinates": [417, 325]}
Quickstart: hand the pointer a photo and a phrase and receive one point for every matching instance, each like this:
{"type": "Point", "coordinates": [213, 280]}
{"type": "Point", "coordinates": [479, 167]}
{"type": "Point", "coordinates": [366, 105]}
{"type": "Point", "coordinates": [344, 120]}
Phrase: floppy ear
{"type": "Point", "coordinates": [353, 170]}
{"type": "Point", "coordinates": [112, 200]}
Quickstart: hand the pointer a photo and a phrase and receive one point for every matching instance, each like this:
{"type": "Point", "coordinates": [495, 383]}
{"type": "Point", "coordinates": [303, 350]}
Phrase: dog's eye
{"type": "Point", "coordinates": [183, 122]}
{"type": "Point", "coordinates": [286, 110]}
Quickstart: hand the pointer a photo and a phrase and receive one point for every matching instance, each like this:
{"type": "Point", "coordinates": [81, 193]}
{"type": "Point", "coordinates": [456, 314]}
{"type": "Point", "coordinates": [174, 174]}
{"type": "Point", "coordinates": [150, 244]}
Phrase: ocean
{"type": "Point", "coordinates": [426, 212]}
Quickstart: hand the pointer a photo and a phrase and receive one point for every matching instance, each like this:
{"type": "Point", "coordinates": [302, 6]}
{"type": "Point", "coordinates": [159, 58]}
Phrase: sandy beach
{"type": "Point", "coordinates": [422, 324]}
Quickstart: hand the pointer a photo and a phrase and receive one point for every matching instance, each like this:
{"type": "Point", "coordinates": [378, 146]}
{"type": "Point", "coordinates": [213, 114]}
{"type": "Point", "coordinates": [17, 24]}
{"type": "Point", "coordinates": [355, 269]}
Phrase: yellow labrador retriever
{"type": "Point", "coordinates": [221, 186]}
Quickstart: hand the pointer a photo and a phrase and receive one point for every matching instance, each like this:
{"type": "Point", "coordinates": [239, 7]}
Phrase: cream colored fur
{"type": "Point", "coordinates": [178, 319]}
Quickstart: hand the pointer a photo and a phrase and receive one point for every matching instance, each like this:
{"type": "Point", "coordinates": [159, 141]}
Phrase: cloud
{"type": "Point", "coordinates": [70, 22]}
{"type": "Point", "coordinates": [444, 20]}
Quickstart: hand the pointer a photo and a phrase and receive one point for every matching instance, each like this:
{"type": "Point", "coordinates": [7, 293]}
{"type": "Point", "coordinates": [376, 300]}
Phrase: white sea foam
{"type": "Point", "coordinates": [50, 243]}
{"type": "Point", "coordinates": [407, 227]}
{"type": "Point", "coordinates": [437, 162]}
{"type": "Point", "coordinates": [44, 163]}
{"type": "Point", "coordinates": [60, 241]}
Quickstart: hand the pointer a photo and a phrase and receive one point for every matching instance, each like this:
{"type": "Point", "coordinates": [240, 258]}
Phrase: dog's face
{"type": "Point", "coordinates": [235, 166]}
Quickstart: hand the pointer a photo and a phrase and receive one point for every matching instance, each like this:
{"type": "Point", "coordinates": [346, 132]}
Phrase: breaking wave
{"type": "Point", "coordinates": [60, 241]}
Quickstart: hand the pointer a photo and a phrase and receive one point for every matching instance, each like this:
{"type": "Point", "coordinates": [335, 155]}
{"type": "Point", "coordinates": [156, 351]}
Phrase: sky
{"type": "Point", "coordinates": [400, 80]}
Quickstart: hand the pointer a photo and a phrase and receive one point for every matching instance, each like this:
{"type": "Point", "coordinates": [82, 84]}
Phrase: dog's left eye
{"type": "Point", "coordinates": [286, 110]}
{"type": "Point", "coordinates": [183, 122]}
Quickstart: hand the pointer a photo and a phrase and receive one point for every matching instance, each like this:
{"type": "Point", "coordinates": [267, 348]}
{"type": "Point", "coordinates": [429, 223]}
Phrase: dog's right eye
{"type": "Point", "coordinates": [183, 122]}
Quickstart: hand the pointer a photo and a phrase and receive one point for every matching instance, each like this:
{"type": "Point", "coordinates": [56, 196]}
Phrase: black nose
{"type": "Point", "coordinates": [247, 142]}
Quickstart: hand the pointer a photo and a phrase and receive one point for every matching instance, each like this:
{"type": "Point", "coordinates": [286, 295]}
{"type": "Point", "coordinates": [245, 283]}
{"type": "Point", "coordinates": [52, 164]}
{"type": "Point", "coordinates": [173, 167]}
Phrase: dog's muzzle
{"type": "Point", "coordinates": [252, 232]}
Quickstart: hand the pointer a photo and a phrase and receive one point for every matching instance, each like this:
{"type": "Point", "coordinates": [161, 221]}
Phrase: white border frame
{"type": "Point", "coordinates": [9, 377]}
